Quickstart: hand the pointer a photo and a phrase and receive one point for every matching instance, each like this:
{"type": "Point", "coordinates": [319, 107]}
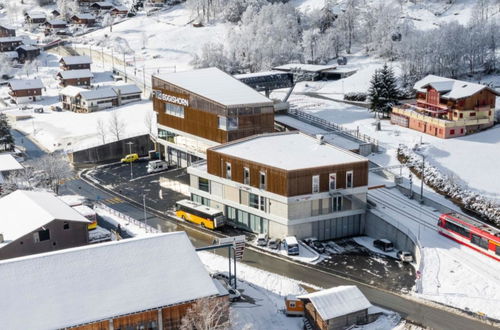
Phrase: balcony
{"type": "Point", "coordinates": [485, 107]}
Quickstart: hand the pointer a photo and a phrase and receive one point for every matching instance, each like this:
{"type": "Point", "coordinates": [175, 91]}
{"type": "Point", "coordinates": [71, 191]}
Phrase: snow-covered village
{"type": "Point", "coordinates": [250, 164]}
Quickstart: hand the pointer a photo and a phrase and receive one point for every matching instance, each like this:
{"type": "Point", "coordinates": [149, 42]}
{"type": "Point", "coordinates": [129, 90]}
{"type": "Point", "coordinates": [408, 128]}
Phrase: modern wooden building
{"type": "Point", "coordinates": [284, 184]}
{"type": "Point", "coordinates": [27, 53]}
{"type": "Point", "coordinates": [25, 90]}
{"type": "Point", "coordinates": [38, 222]}
{"type": "Point", "coordinates": [80, 78]}
{"type": "Point", "coordinates": [147, 282]}
{"type": "Point", "coordinates": [83, 19]}
{"type": "Point", "coordinates": [75, 62]}
{"type": "Point", "coordinates": [202, 108]}
{"type": "Point", "coordinates": [6, 31]}
{"type": "Point", "coordinates": [8, 44]}
{"type": "Point", "coordinates": [78, 99]}
{"type": "Point", "coordinates": [337, 308]}
{"type": "Point", "coordinates": [448, 108]}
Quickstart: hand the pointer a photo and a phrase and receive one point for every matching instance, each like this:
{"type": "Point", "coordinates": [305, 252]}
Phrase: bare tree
{"type": "Point", "coordinates": [53, 168]}
{"type": "Point", "coordinates": [101, 130]}
{"type": "Point", "coordinates": [116, 125]}
{"type": "Point", "coordinates": [207, 314]}
{"type": "Point", "coordinates": [23, 178]}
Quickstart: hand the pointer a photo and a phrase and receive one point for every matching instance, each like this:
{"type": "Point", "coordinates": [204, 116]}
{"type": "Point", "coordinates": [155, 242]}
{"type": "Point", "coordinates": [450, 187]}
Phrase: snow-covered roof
{"type": "Point", "coordinates": [74, 74]}
{"type": "Point", "coordinates": [127, 89]}
{"type": "Point", "coordinates": [120, 8]}
{"type": "Point", "coordinates": [84, 16]}
{"type": "Point", "coordinates": [18, 84]}
{"type": "Point", "coordinates": [36, 15]}
{"type": "Point", "coordinates": [71, 91]}
{"type": "Point", "coordinates": [450, 88]}
{"type": "Point", "coordinates": [9, 163]}
{"type": "Point", "coordinates": [10, 39]}
{"type": "Point", "coordinates": [28, 47]}
{"type": "Point", "coordinates": [100, 93]}
{"type": "Point", "coordinates": [304, 67]}
{"type": "Point", "coordinates": [24, 211]}
{"type": "Point", "coordinates": [217, 86]}
{"type": "Point", "coordinates": [288, 151]}
{"type": "Point", "coordinates": [69, 287]}
{"type": "Point", "coordinates": [257, 74]}
{"type": "Point", "coordinates": [337, 301]}
{"type": "Point", "coordinates": [6, 27]}
{"type": "Point", "coordinates": [57, 22]}
{"type": "Point", "coordinates": [72, 60]}
{"type": "Point", "coordinates": [103, 4]}
{"type": "Point", "coordinates": [83, 210]}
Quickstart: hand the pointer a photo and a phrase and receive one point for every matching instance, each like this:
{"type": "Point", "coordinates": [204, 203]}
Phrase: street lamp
{"type": "Point", "coordinates": [130, 151]}
{"type": "Point", "coordinates": [422, 180]}
{"type": "Point", "coordinates": [145, 215]}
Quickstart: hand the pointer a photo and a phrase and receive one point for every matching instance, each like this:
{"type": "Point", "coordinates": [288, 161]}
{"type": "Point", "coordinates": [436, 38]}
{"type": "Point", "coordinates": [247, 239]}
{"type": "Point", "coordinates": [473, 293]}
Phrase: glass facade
{"type": "Point", "coordinates": [247, 220]}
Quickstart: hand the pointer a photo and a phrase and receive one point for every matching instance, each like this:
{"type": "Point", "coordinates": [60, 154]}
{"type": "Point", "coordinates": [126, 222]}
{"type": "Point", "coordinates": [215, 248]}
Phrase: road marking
{"type": "Point", "coordinates": [113, 200]}
{"type": "Point", "coordinates": [63, 181]}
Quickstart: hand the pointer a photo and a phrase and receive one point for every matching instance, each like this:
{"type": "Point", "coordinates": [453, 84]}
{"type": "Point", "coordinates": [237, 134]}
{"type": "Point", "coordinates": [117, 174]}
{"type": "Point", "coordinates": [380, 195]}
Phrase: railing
{"type": "Point", "coordinates": [354, 134]}
{"type": "Point", "coordinates": [140, 224]}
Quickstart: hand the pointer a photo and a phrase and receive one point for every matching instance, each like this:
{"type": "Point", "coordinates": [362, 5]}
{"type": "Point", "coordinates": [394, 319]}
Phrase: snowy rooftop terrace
{"type": "Point", "coordinates": [216, 85]}
{"type": "Point", "coordinates": [288, 151]}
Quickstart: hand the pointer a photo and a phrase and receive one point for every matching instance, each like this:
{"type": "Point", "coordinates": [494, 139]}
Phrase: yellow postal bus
{"type": "Point", "coordinates": [200, 214]}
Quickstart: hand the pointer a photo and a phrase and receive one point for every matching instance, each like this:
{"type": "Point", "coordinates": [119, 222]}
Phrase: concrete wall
{"type": "Point", "coordinates": [112, 151]}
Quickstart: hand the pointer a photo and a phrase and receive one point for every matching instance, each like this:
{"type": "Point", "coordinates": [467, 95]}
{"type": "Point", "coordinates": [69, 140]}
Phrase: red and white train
{"type": "Point", "coordinates": [471, 233]}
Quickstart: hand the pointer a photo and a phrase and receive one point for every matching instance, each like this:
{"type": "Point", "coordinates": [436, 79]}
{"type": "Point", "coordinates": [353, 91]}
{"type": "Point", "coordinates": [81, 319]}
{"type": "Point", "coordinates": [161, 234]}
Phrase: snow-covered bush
{"type": "Point", "coordinates": [360, 97]}
{"type": "Point", "coordinates": [448, 185]}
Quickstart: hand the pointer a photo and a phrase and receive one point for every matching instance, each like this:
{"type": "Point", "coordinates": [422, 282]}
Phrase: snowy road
{"type": "Point", "coordinates": [452, 273]}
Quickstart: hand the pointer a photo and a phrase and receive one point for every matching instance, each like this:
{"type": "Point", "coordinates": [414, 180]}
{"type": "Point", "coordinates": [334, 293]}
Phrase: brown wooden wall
{"type": "Point", "coordinates": [76, 82]}
{"type": "Point", "coordinates": [282, 182]}
{"type": "Point", "coordinates": [103, 325]}
{"type": "Point", "coordinates": [484, 97]}
{"type": "Point", "coordinates": [28, 92]}
{"type": "Point", "coordinates": [201, 116]}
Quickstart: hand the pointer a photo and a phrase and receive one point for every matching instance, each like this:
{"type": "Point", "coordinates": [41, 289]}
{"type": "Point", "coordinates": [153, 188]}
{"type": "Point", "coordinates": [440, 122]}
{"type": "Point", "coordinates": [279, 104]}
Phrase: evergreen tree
{"type": "Point", "coordinates": [374, 92]}
{"type": "Point", "coordinates": [6, 139]}
{"type": "Point", "coordinates": [383, 92]}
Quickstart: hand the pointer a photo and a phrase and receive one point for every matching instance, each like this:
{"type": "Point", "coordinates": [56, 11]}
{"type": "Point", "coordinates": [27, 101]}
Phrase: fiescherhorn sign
{"type": "Point", "coordinates": [171, 99]}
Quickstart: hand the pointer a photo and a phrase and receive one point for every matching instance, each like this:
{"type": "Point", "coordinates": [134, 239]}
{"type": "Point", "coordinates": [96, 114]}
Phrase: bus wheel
{"type": "Point", "coordinates": [203, 225]}
{"type": "Point", "coordinates": [183, 217]}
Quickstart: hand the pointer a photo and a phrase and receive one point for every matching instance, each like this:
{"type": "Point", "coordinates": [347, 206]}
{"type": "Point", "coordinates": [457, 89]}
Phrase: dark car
{"type": "Point", "coordinates": [274, 243]}
{"type": "Point", "coordinates": [383, 244]}
{"type": "Point", "coordinates": [318, 246]}
{"type": "Point", "coordinates": [405, 256]}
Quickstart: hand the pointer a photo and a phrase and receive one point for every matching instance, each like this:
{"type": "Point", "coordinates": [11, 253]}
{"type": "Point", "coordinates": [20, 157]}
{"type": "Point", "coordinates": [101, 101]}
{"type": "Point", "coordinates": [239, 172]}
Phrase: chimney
{"type": "Point", "coordinates": [320, 138]}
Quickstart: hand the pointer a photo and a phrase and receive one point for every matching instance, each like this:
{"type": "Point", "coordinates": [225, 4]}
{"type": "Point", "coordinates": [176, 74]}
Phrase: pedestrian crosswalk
{"type": "Point", "coordinates": [113, 200]}
{"type": "Point", "coordinates": [71, 178]}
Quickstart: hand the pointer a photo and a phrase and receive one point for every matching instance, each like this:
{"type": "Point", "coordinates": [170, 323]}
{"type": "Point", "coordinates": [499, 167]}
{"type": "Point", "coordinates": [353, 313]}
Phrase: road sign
{"type": "Point", "coordinates": [238, 245]}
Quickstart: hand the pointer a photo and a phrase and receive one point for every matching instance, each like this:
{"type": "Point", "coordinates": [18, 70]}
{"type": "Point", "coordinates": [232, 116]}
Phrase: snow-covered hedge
{"type": "Point", "coordinates": [447, 185]}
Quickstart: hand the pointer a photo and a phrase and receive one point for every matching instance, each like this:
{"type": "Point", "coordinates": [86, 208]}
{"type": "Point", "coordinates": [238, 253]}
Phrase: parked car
{"type": "Point", "coordinates": [262, 240]}
{"type": "Point", "coordinates": [291, 245]}
{"type": "Point", "coordinates": [318, 246]}
{"type": "Point", "coordinates": [38, 110]}
{"type": "Point", "coordinates": [405, 256]}
{"type": "Point", "coordinates": [383, 244]}
{"type": "Point", "coordinates": [274, 243]}
{"type": "Point", "coordinates": [310, 240]}
{"type": "Point", "coordinates": [130, 158]}
{"type": "Point", "coordinates": [157, 166]}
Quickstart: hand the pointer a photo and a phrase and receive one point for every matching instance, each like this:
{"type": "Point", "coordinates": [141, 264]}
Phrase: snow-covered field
{"type": "Point", "coordinates": [451, 273]}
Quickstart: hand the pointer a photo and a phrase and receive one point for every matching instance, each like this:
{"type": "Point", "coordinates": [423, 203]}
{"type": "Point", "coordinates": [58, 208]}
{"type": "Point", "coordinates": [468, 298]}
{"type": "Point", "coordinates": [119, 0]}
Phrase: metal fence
{"type": "Point", "coordinates": [129, 219]}
{"type": "Point", "coordinates": [317, 121]}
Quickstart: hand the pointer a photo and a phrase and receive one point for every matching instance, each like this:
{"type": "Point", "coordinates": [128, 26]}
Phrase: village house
{"type": "Point", "coordinates": [6, 31]}
{"type": "Point", "coordinates": [284, 184]}
{"type": "Point", "coordinates": [8, 44]}
{"type": "Point", "coordinates": [35, 18]}
{"type": "Point", "coordinates": [8, 164]}
{"type": "Point", "coordinates": [25, 90]}
{"type": "Point", "coordinates": [336, 308]}
{"type": "Point", "coordinates": [75, 62]}
{"type": "Point", "coordinates": [83, 19]}
{"type": "Point", "coordinates": [153, 281]}
{"type": "Point", "coordinates": [85, 3]}
{"type": "Point", "coordinates": [75, 77]}
{"type": "Point", "coordinates": [119, 10]}
{"type": "Point", "coordinates": [36, 222]}
{"type": "Point", "coordinates": [101, 6]}
{"type": "Point", "coordinates": [447, 108]}
{"type": "Point", "coordinates": [194, 115]}
{"type": "Point", "coordinates": [81, 100]}
{"type": "Point", "coordinates": [55, 25]}
{"type": "Point", "coordinates": [27, 53]}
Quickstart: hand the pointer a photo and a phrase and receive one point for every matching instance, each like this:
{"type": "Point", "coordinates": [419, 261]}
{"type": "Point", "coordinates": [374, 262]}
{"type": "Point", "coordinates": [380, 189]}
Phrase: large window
{"type": "Point", "coordinates": [479, 241]}
{"type": "Point", "coordinates": [228, 123]}
{"type": "Point", "coordinates": [262, 180]}
{"type": "Point", "coordinates": [262, 204]}
{"type": "Point", "coordinates": [228, 171]}
{"type": "Point", "coordinates": [337, 203]}
{"type": "Point", "coordinates": [201, 200]}
{"type": "Point", "coordinates": [246, 175]}
{"type": "Point", "coordinates": [253, 201]}
{"type": "Point", "coordinates": [174, 110]}
{"type": "Point", "coordinates": [315, 184]}
{"type": "Point", "coordinates": [41, 235]}
{"type": "Point", "coordinates": [457, 229]}
{"type": "Point", "coordinates": [204, 184]}
{"type": "Point", "coordinates": [332, 181]}
{"type": "Point", "coordinates": [349, 179]}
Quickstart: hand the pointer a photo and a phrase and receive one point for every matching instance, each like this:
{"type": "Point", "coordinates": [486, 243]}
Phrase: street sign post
{"type": "Point", "coordinates": [238, 249]}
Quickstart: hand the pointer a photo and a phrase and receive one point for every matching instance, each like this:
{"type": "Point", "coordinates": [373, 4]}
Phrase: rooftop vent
{"type": "Point", "coordinates": [321, 138]}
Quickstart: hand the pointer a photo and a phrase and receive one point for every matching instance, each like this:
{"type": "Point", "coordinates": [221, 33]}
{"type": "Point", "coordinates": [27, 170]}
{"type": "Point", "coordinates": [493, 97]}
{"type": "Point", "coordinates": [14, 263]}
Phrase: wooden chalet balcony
{"type": "Point", "coordinates": [485, 107]}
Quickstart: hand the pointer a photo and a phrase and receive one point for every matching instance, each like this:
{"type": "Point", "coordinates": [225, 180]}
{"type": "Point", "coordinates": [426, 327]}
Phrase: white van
{"type": "Point", "coordinates": [291, 245]}
{"type": "Point", "coordinates": [157, 166]}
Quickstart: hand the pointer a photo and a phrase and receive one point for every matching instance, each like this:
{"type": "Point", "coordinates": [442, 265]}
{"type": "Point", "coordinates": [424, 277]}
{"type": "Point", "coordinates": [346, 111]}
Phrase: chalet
{"type": "Point", "coordinates": [8, 44]}
{"type": "Point", "coordinates": [56, 25]}
{"type": "Point", "coordinates": [25, 90]}
{"type": "Point", "coordinates": [85, 3]}
{"type": "Point", "coordinates": [8, 164]}
{"type": "Point", "coordinates": [6, 31]}
{"type": "Point", "coordinates": [37, 222]}
{"type": "Point", "coordinates": [101, 6]}
{"type": "Point", "coordinates": [81, 100]}
{"type": "Point", "coordinates": [119, 10]}
{"type": "Point", "coordinates": [27, 53]}
{"type": "Point", "coordinates": [336, 308]}
{"type": "Point", "coordinates": [447, 108]}
{"type": "Point", "coordinates": [83, 19]}
{"type": "Point", "coordinates": [35, 18]}
{"type": "Point", "coordinates": [146, 292]}
{"type": "Point", "coordinates": [75, 62]}
{"type": "Point", "coordinates": [75, 77]}
{"type": "Point", "coordinates": [264, 186]}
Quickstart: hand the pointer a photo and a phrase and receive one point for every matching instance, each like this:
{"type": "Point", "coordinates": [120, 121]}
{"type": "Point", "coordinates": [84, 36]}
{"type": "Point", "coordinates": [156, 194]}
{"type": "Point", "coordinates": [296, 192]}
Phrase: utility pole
{"type": "Point", "coordinates": [144, 77]}
{"type": "Point", "coordinates": [422, 179]}
{"type": "Point", "coordinates": [124, 67]}
{"type": "Point", "coordinates": [145, 215]}
{"type": "Point", "coordinates": [113, 58]}
{"type": "Point", "coordinates": [130, 151]}
{"type": "Point", "coordinates": [102, 55]}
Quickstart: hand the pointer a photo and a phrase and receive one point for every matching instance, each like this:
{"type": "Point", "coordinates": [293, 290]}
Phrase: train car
{"type": "Point", "coordinates": [471, 233]}
{"type": "Point", "coordinates": [88, 213]}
